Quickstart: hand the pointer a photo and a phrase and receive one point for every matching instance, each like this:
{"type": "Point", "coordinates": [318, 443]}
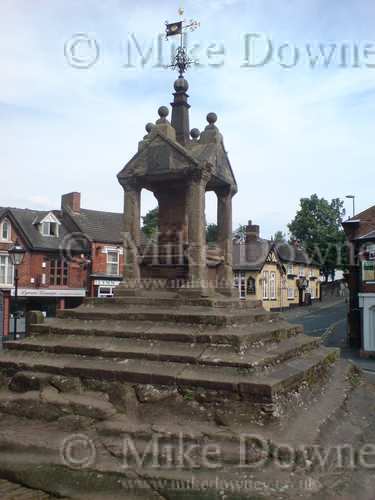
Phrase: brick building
{"type": "Point", "coordinates": [360, 231]}
{"type": "Point", "coordinates": [70, 253]}
{"type": "Point", "coordinates": [103, 233]}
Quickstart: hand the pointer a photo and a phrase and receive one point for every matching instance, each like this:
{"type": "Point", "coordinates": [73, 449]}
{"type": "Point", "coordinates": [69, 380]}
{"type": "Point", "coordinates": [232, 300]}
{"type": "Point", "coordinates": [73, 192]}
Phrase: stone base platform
{"type": "Point", "coordinates": [164, 369]}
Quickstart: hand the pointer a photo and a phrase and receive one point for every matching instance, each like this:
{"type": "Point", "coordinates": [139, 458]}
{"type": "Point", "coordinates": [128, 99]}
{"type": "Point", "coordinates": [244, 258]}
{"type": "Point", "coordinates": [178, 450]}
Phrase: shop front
{"type": "Point", "coordinates": [105, 287]}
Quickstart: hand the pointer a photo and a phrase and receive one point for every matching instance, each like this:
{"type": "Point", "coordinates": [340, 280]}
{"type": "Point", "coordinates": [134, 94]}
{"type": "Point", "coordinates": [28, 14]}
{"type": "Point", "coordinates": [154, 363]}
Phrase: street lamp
{"type": "Point", "coordinates": [352, 197]}
{"type": "Point", "coordinates": [16, 255]}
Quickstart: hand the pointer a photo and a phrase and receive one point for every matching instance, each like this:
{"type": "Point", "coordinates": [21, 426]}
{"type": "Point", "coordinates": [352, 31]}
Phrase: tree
{"type": "Point", "coordinates": [151, 225]}
{"type": "Point", "coordinates": [211, 233]}
{"type": "Point", "coordinates": [317, 225]}
{"type": "Point", "coordinates": [151, 222]}
{"type": "Point", "coordinates": [279, 237]}
{"type": "Point", "coordinates": [240, 233]}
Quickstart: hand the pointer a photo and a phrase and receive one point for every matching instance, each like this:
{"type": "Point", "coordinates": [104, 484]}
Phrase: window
{"type": "Point", "coordinates": [272, 286]}
{"type": "Point", "coordinates": [265, 285]}
{"type": "Point", "coordinates": [302, 270]}
{"type": "Point", "coordinates": [113, 263]}
{"type": "Point", "coordinates": [50, 229]}
{"type": "Point", "coordinates": [6, 270]}
{"type": "Point", "coordinates": [242, 284]}
{"type": "Point", "coordinates": [105, 291]}
{"type": "Point", "coordinates": [251, 287]}
{"type": "Point", "coordinates": [368, 270]}
{"type": "Point", "coordinates": [290, 293]}
{"type": "Point", "coordinates": [290, 269]}
{"type": "Point", "coordinates": [58, 274]}
{"type": "Point", "coordinates": [5, 231]}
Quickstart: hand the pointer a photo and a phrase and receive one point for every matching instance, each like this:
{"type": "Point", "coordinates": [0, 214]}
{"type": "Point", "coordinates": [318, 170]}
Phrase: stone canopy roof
{"type": "Point", "coordinates": [167, 151]}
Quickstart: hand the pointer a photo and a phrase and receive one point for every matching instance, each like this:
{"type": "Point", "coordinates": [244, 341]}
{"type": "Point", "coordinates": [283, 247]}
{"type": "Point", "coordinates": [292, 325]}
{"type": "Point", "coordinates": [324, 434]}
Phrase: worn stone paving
{"type": "Point", "coordinates": [12, 491]}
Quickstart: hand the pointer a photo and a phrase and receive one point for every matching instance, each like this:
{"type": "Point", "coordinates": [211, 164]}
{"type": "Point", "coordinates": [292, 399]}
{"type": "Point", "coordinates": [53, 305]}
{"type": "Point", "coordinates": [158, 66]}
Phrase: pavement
{"type": "Point", "coordinates": [328, 320]}
{"type": "Point", "coordinates": [12, 491]}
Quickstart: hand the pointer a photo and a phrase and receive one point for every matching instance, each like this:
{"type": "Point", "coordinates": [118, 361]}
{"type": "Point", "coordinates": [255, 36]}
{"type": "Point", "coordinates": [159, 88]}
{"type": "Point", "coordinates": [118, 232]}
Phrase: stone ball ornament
{"type": "Point", "coordinates": [181, 85]}
{"type": "Point", "coordinates": [212, 118]}
{"type": "Point", "coordinates": [163, 111]}
{"type": "Point", "coordinates": [149, 126]}
{"type": "Point", "coordinates": [195, 133]}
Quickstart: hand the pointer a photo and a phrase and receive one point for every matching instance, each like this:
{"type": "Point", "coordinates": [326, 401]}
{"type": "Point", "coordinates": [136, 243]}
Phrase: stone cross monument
{"type": "Point", "coordinates": [179, 166]}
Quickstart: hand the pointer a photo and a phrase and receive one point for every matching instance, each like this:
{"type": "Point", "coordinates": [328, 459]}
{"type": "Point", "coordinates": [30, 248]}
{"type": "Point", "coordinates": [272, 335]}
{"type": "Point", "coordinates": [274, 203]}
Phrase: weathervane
{"type": "Point", "coordinates": [181, 60]}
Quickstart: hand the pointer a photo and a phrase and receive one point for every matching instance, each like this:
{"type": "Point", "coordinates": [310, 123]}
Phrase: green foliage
{"type": "Point", "coordinates": [279, 237]}
{"type": "Point", "coordinates": [240, 233]}
{"type": "Point", "coordinates": [151, 222]}
{"type": "Point", "coordinates": [317, 225]}
{"type": "Point", "coordinates": [151, 225]}
{"type": "Point", "coordinates": [211, 233]}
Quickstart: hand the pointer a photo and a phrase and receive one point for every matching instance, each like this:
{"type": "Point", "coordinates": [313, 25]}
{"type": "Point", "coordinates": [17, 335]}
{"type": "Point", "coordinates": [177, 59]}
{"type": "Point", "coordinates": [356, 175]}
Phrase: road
{"type": "Point", "coordinates": [329, 322]}
{"type": "Point", "coordinates": [319, 318]}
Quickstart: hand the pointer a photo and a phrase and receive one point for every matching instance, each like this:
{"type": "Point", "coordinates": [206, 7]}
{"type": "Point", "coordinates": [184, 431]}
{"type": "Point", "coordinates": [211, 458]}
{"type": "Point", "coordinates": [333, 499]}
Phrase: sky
{"type": "Point", "coordinates": [292, 83]}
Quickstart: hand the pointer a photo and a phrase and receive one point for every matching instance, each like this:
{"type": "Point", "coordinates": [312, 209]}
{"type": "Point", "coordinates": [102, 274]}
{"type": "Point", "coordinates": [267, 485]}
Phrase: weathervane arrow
{"type": "Point", "coordinates": [181, 60]}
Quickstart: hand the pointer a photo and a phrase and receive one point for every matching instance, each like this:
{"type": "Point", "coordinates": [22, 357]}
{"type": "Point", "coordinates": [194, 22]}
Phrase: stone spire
{"type": "Point", "coordinates": [180, 111]}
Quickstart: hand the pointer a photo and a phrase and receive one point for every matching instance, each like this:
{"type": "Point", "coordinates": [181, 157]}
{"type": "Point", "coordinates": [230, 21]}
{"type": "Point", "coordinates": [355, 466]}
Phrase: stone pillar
{"type": "Point", "coordinates": [224, 222]}
{"type": "Point", "coordinates": [196, 228]}
{"type": "Point", "coordinates": [132, 232]}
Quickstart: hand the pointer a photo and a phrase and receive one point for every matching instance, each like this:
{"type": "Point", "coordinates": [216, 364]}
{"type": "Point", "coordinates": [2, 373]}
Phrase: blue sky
{"type": "Point", "coordinates": [290, 132]}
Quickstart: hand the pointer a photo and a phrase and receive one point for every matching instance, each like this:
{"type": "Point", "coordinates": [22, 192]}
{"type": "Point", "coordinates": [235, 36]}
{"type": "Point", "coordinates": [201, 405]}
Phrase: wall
{"type": "Point", "coordinates": [282, 283]}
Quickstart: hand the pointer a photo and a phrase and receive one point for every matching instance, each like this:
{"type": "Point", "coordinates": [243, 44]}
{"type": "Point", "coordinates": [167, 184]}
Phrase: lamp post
{"type": "Point", "coordinates": [16, 254]}
{"type": "Point", "coordinates": [352, 197]}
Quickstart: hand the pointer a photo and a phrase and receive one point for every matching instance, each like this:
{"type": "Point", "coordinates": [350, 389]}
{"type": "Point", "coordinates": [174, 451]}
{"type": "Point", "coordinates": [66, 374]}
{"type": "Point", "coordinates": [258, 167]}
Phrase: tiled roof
{"type": "Point", "coordinates": [25, 220]}
{"type": "Point", "coordinates": [292, 254]}
{"type": "Point", "coordinates": [251, 256]}
{"type": "Point", "coordinates": [106, 227]}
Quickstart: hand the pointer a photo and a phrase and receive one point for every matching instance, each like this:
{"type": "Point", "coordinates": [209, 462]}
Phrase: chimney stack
{"type": "Point", "coordinates": [71, 201]}
{"type": "Point", "coordinates": [252, 232]}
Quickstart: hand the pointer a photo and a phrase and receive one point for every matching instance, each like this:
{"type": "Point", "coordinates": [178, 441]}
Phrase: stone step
{"type": "Point", "coordinates": [237, 336]}
{"type": "Point", "coordinates": [196, 353]}
{"type": "Point", "coordinates": [259, 387]}
{"type": "Point", "coordinates": [50, 405]}
{"type": "Point", "coordinates": [161, 302]}
{"type": "Point", "coordinates": [309, 420]}
{"type": "Point", "coordinates": [192, 315]}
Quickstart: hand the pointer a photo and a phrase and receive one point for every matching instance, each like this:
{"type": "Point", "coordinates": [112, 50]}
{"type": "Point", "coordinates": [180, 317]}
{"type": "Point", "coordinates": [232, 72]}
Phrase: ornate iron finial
{"type": "Point", "coordinates": [181, 60]}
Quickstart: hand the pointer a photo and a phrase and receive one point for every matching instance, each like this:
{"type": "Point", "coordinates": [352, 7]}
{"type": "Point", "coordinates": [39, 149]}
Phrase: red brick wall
{"type": "Point", "coordinates": [99, 259]}
{"type": "Point", "coordinates": [32, 267]}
